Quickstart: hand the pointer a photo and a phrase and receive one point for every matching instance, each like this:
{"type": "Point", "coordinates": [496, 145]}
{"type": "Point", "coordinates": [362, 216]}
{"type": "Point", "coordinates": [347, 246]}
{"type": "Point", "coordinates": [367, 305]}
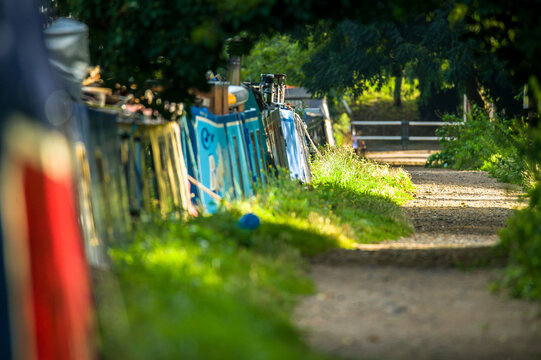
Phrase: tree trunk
{"type": "Point", "coordinates": [472, 92]}
{"type": "Point", "coordinates": [397, 101]}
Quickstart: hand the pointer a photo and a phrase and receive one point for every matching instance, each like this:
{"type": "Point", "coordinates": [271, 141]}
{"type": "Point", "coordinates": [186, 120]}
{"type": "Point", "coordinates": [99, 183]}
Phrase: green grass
{"type": "Point", "coordinates": [377, 104]}
{"type": "Point", "coordinates": [384, 110]}
{"type": "Point", "coordinates": [351, 200]}
{"type": "Point", "coordinates": [192, 291]}
{"type": "Point", "coordinates": [206, 289]}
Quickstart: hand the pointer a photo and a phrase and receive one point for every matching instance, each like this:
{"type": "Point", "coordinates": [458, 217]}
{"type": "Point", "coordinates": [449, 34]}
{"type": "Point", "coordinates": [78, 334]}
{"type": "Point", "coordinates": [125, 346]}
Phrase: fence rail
{"type": "Point", "coordinates": [405, 137]}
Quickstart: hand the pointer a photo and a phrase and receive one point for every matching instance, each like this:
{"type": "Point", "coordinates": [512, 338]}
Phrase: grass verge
{"type": "Point", "coordinates": [206, 289]}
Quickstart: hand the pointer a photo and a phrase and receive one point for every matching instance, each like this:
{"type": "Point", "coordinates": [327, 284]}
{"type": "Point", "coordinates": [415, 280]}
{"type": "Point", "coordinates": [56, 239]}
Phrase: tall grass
{"type": "Point", "coordinates": [340, 168]}
{"type": "Point", "coordinates": [351, 200]}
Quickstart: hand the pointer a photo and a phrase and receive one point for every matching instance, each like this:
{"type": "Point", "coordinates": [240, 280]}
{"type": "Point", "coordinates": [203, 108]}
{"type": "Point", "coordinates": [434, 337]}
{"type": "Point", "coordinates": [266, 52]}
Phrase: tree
{"type": "Point", "coordinates": [176, 42]}
{"type": "Point", "coordinates": [439, 55]}
{"type": "Point", "coordinates": [279, 53]}
{"type": "Point", "coordinates": [508, 29]}
{"type": "Point", "coordinates": [355, 56]}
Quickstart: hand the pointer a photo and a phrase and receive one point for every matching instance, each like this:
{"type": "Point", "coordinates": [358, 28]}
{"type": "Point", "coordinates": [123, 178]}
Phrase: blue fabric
{"type": "Point", "coordinates": [297, 157]}
{"type": "Point", "coordinates": [288, 131]}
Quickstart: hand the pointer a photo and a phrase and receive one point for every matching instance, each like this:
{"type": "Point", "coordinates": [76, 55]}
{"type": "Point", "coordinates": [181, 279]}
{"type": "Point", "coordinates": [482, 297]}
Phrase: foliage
{"type": "Point", "coordinates": [341, 130]}
{"type": "Point", "coordinates": [350, 200]}
{"type": "Point", "coordinates": [176, 42]}
{"type": "Point", "coordinates": [521, 241]}
{"type": "Point", "coordinates": [193, 291]}
{"type": "Point", "coordinates": [278, 54]}
{"type": "Point", "coordinates": [481, 144]}
{"type": "Point", "coordinates": [509, 30]}
{"type": "Point", "coordinates": [377, 103]}
{"type": "Point", "coordinates": [206, 289]}
{"type": "Point", "coordinates": [356, 55]}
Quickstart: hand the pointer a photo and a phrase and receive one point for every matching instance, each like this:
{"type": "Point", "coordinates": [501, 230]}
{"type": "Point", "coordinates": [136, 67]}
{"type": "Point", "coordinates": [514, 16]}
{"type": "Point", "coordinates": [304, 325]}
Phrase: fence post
{"type": "Point", "coordinates": [465, 108]}
{"type": "Point", "coordinates": [405, 134]}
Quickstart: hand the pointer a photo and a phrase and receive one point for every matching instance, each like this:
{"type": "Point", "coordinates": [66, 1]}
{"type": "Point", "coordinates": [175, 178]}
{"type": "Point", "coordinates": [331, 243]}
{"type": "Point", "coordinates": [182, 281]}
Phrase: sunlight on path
{"type": "Point", "coordinates": [401, 157]}
{"type": "Point", "coordinates": [405, 300]}
{"type": "Point", "coordinates": [458, 207]}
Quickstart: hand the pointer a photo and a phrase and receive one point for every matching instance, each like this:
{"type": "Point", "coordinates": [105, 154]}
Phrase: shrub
{"type": "Point", "coordinates": [521, 241]}
{"type": "Point", "coordinates": [493, 145]}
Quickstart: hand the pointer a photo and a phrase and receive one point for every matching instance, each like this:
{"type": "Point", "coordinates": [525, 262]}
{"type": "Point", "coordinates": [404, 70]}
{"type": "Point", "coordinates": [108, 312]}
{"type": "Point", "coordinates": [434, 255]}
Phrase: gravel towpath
{"type": "Point", "coordinates": [407, 299]}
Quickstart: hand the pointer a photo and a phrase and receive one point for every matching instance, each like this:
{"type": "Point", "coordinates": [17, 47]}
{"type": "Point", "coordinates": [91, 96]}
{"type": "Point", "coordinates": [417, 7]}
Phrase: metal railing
{"type": "Point", "coordinates": [405, 137]}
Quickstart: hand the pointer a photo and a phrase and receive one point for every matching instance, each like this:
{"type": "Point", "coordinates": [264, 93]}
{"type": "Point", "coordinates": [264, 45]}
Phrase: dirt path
{"type": "Point", "coordinates": [401, 157]}
{"type": "Point", "coordinates": [407, 300]}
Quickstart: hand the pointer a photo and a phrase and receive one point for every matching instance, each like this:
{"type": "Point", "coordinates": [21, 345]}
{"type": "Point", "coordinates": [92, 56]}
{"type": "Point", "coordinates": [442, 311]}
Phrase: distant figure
{"type": "Point", "coordinates": [359, 146]}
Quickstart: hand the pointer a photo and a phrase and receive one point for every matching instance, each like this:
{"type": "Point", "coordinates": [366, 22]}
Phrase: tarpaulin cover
{"type": "Point", "coordinates": [275, 138]}
{"type": "Point", "coordinates": [297, 155]}
{"type": "Point", "coordinates": [45, 300]}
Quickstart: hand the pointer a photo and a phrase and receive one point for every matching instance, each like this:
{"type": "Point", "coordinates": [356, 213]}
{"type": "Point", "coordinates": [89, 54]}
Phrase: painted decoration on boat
{"type": "Point", "coordinates": [213, 160]}
{"type": "Point", "coordinates": [238, 154]}
{"type": "Point", "coordinates": [253, 130]}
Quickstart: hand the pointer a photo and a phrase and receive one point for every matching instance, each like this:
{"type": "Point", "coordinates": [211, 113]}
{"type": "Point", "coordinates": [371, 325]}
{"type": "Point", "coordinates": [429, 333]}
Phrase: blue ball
{"type": "Point", "coordinates": [249, 222]}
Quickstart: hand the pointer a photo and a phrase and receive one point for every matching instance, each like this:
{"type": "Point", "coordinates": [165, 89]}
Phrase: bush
{"type": "Point", "coordinates": [495, 146]}
{"type": "Point", "coordinates": [521, 241]}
